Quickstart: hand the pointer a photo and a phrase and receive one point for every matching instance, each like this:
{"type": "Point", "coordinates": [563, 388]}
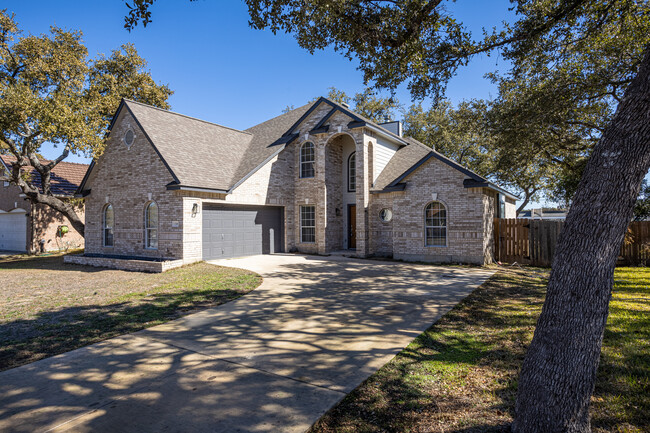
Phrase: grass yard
{"type": "Point", "coordinates": [48, 307]}
{"type": "Point", "coordinates": [461, 374]}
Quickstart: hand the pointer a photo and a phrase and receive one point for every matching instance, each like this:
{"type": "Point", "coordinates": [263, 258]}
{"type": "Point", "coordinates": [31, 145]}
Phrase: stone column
{"type": "Point", "coordinates": [363, 187]}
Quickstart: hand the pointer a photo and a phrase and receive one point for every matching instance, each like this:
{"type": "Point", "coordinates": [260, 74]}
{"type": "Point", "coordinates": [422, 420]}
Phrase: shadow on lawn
{"type": "Point", "coordinates": [438, 383]}
{"type": "Point", "coordinates": [54, 332]}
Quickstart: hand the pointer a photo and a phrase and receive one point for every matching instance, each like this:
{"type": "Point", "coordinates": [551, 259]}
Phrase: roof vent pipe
{"type": "Point", "coordinates": [345, 105]}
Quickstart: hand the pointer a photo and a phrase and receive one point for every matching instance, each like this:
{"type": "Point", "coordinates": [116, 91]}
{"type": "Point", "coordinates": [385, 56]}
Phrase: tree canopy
{"type": "Point", "coordinates": [578, 88]}
{"type": "Point", "coordinates": [51, 91]}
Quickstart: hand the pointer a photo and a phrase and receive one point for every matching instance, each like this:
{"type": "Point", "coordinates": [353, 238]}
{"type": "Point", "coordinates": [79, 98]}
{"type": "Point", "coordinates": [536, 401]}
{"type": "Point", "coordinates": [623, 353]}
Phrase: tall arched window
{"type": "Point", "coordinates": [352, 172]}
{"type": "Point", "coordinates": [151, 226]}
{"type": "Point", "coordinates": [435, 225]}
{"type": "Point", "coordinates": [307, 160]}
{"type": "Point", "coordinates": [108, 223]}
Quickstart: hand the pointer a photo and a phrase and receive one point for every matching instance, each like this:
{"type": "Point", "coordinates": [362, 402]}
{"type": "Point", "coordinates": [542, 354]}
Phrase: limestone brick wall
{"type": "Point", "coordinates": [334, 186]}
{"type": "Point", "coordinates": [381, 232]}
{"type": "Point", "coordinates": [125, 265]}
{"type": "Point", "coordinates": [313, 191]}
{"type": "Point", "coordinates": [128, 178]}
{"type": "Point", "coordinates": [465, 216]}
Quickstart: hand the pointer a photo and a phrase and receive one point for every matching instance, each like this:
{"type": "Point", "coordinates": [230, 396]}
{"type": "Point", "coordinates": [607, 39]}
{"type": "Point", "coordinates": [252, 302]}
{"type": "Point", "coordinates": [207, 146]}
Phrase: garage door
{"type": "Point", "coordinates": [13, 231]}
{"type": "Point", "coordinates": [236, 231]}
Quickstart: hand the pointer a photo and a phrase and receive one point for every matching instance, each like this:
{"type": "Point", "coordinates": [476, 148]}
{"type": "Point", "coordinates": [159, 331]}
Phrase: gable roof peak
{"type": "Point", "coordinates": [130, 101]}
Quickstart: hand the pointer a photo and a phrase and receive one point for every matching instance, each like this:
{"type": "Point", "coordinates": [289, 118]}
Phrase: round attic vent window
{"type": "Point", "coordinates": [385, 215]}
{"type": "Point", "coordinates": [129, 137]}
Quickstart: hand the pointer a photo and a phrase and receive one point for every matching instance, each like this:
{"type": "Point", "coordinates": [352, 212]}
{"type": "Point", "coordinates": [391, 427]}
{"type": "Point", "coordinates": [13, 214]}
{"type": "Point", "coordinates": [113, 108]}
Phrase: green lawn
{"type": "Point", "coordinates": [48, 307]}
{"type": "Point", "coordinates": [461, 374]}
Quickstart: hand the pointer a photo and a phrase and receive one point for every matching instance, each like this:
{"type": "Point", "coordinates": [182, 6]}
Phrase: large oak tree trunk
{"type": "Point", "coordinates": [559, 371]}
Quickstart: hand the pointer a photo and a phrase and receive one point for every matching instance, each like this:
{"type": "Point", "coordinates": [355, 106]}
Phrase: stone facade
{"type": "Point", "coordinates": [466, 216]}
{"type": "Point", "coordinates": [130, 177]}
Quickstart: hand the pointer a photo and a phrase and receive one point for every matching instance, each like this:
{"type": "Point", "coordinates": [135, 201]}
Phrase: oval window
{"type": "Point", "coordinates": [385, 215]}
{"type": "Point", "coordinates": [129, 137]}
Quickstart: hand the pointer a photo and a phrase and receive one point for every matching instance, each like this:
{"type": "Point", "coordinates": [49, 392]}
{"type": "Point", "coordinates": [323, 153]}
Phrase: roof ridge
{"type": "Point", "coordinates": [278, 116]}
{"type": "Point", "coordinates": [416, 141]}
{"type": "Point", "coordinates": [49, 160]}
{"type": "Point", "coordinates": [375, 124]}
{"type": "Point", "coordinates": [186, 116]}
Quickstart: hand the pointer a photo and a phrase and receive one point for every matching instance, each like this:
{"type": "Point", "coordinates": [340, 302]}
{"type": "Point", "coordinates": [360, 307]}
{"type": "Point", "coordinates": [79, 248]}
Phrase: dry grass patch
{"type": "Point", "coordinates": [49, 307]}
{"type": "Point", "coordinates": [461, 374]}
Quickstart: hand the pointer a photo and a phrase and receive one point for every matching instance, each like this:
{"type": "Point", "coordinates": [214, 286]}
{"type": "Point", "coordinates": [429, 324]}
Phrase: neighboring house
{"type": "Point", "coordinates": [544, 214]}
{"type": "Point", "coordinates": [316, 179]}
{"type": "Point", "coordinates": [27, 228]}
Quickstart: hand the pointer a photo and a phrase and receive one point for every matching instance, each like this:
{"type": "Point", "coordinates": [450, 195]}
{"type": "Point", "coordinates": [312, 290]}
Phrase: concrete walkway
{"type": "Point", "coordinates": [274, 360]}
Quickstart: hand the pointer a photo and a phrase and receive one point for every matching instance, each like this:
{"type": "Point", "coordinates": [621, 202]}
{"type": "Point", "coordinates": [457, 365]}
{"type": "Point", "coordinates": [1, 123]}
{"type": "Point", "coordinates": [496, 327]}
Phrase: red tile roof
{"type": "Point", "coordinates": [66, 176]}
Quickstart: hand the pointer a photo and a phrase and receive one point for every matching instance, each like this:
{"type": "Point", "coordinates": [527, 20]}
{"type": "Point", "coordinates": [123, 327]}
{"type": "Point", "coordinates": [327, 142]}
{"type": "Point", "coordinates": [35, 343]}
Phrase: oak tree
{"type": "Point", "coordinates": [581, 51]}
{"type": "Point", "coordinates": [50, 91]}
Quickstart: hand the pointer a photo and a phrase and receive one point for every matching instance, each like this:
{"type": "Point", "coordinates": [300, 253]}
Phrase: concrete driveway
{"type": "Point", "coordinates": [274, 360]}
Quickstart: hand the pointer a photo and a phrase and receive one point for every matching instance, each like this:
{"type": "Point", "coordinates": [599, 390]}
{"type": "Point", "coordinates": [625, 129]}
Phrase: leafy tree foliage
{"type": "Point", "coordinates": [50, 91]}
{"type": "Point", "coordinates": [642, 206]}
{"type": "Point", "coordinates": [368, 103]}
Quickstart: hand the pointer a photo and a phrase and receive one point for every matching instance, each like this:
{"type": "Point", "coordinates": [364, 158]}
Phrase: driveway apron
{"type": "Point", "coordinates": [273, 360]}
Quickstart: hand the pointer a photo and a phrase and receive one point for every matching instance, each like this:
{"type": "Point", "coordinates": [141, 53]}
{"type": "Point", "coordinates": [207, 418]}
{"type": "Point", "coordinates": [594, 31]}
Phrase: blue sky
{"type": "Point", "coordinates": [223, 71]}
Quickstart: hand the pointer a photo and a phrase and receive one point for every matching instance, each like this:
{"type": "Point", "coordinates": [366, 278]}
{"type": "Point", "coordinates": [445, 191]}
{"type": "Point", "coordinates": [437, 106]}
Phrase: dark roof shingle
{"type": "Point", "coordinates": [65, 176]}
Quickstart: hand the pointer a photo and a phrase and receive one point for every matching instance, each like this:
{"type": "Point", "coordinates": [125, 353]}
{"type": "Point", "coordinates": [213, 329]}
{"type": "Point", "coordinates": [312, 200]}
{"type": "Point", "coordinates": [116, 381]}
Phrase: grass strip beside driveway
{"type": "Point", "coordinates": [48, 307]}
{"type": "Point", "coordinates": [461, 374]}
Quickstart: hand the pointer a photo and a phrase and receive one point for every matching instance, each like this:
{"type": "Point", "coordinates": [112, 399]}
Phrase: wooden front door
{"type": "Point", "coordinates": [352, 226]}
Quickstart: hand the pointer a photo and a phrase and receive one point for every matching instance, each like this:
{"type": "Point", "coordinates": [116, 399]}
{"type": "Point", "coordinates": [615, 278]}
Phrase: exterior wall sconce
{"type": "Point", "coordinates": [195, 209]}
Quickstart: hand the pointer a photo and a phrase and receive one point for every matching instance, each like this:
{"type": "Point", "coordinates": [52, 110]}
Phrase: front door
{"type": "Point", "coordinates": [352, 226]}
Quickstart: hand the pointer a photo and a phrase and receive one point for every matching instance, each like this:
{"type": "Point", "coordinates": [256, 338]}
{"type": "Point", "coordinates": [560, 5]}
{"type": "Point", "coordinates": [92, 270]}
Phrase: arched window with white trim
{"type": "Point", "coordinates": [435, 225]}
{"type": "Point", "coordinates": [108, 223]}
{"type": "Point", "coordinates": [151, 226]}
{"type": "Point", "coordinates": [307, 158]}
{"type": "Point", "coordinates": [352, 172]}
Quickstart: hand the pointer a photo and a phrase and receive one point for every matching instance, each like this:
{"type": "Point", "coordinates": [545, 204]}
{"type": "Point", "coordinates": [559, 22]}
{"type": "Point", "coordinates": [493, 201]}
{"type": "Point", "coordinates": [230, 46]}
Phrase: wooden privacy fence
{"type": "Point", "coordinates": [532, 242]}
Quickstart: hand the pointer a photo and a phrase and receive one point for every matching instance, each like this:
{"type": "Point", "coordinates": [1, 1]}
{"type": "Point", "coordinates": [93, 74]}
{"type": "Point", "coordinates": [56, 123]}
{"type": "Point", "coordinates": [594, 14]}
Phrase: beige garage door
{"type": "Point", "coordinates": [13, 230]}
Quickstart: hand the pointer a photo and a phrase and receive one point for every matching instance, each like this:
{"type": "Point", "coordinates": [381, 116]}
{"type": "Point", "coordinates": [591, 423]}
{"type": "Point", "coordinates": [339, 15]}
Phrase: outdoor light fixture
{"type": "Point", "coordinates": [195, 209]}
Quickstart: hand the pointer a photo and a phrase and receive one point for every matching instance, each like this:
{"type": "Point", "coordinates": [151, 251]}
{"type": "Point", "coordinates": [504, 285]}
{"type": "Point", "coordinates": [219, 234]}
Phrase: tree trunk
{"type": "Point", "coordinates": [527, 195]}
{"type": "Point", "coordinates": [559, 372]}
{"type": "Point", "coordinates": [55, 203]}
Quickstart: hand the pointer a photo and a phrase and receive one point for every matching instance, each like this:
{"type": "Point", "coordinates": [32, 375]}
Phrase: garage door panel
{"type": "Point", "coordinates": [13, 231]}
{"type": "Point", "coordinates": [233, 231]}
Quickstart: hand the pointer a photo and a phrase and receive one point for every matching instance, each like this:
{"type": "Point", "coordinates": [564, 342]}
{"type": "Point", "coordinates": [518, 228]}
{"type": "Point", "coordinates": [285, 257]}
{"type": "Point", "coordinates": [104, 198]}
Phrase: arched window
{"type": "Point", "coordinates": [352, 172]}
{"type": "Point", "coordinates": [151, 226]}
{"type": "Point", "coordinates": [107, 224]}
{"type": "Point", "coordinates": [307, 160]}
{"type": "Point", "coordinates": [435, 225]}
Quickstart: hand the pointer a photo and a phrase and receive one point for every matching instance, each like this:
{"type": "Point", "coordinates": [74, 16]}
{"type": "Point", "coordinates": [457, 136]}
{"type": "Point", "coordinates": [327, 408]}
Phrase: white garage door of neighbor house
{"type": "Point", "coordinates": [13, 230]}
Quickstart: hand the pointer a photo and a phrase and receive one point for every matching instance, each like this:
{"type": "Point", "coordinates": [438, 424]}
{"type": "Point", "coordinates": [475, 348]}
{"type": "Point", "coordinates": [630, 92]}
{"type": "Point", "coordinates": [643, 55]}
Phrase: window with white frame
{"type": "Point", "coordinates": [108, 223]}
{"type": "Point", "coordinates": [352, 172]}
{"type": "Point", "coordinates": [308, 224]}
{"type": "Point", "coordinates": [151, 226]}
{"type": "Point", "coordinates": [307, 160]}
{"type": "Point", "coordinates": [435, 225]}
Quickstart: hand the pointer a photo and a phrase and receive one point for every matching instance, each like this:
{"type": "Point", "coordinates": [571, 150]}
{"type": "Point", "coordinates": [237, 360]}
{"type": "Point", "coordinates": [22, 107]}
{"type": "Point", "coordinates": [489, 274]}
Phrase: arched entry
{"type": "Point", "coordinates": [341, 192]}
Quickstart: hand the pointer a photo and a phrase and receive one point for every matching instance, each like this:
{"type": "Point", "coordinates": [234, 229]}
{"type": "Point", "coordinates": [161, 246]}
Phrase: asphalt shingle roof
{"type": "Point", "coordinates": [65, 176]}
{"type": "Point", "coordinates": [405, 158]}
{"type": "Point", "coordinates": [225, 155]}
